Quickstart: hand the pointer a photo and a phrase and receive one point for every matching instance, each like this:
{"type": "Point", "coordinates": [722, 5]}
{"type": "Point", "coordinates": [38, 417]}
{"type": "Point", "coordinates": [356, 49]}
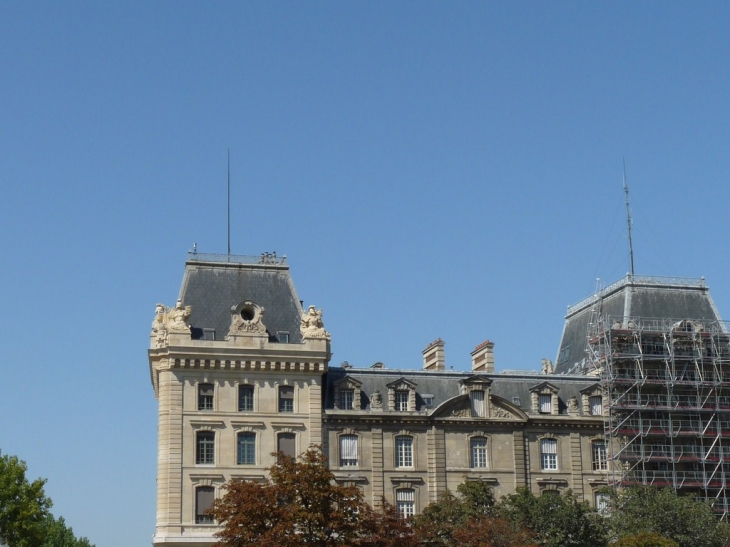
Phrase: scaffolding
{"type": "Point", "coordinates": [667, 395]}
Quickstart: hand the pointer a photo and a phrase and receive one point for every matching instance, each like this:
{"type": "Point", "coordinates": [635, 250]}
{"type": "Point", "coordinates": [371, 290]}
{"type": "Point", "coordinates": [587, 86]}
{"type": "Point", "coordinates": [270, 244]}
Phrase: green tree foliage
{"type": "Point", "coordinates": [557, 520]}
{"type": "Point", "coordinates": [23, 504]}
{"type": "Point", "coordinates": [493, 532]}
{"type": "Point", "coordinates": [300, 505]}
{"type": "Point", "coordinates": [687, 521]}
{"type": "Point", "coordinates": [57, 534]}
{"type": "Point", "coordinates": [438, 522]}
{"type": "Point", "coordinates": [645, 539]}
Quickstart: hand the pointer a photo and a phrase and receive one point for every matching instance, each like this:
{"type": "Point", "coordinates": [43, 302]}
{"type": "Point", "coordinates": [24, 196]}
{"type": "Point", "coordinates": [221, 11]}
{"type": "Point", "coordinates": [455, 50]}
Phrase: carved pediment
{"type": "Point", "coordinates": [401, 383]}
{"type": "Point", "coordinates": [503, 409]}
{"type": "Point", "coordinates": [347, 382]}
{"type": "Point", "coordinates": [456, 407]}
{"type": "Point", "coordinates": [477, 380]}
{"type": "Point", "coordinates": [544, 387]}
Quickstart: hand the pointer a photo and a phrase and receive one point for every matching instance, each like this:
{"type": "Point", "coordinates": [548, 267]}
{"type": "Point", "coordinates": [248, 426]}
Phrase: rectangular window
{"type": "Point", "coordinates": [600, 462]}
{"type": "Point", "coordinates": [549, 454]}
{"type": "Point", "coordinates": [286, 443]}
{"type": "Point", "coordinates": [245, 398]}
{"type": "Point", "coordinates": [405, 502]}
{"type": "Point", "coordinates": [401, 400]}
{"type": "Point", "coordinates": [348, 450]}
{"type": "Point", "coordinates": [347, 396]}
{"type": "Point", "coordinates": [204, 496]}
{"type": "Point", "coordinates": [205, 447]}
{"type": "Point", "coordinates": [283, 337]}
{"type": "Point", "coordinates": [596, 404]}
{"type": "Point", "coordinates": [478, 407]}
{"type": "Point", "coordinates": [205, 396]}
{"type": "Point", "coordinates": [246, 449]}
{"type": "Point", "coordinates": [478, 452]}
{"type": "Point", "coordinates": [602, 503]}
{"type": "Point", "coordinates": [427, 400]}
{"type": "Point", "coordinates": [286, 399]}
{"type": "Point", "coordinates": [404, 451]}
{"type": "Point", "coordinates": [546, 404]}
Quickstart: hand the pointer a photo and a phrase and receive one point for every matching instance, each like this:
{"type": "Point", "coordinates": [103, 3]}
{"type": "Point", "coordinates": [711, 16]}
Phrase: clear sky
{"type": "Point", "coordinates": [431, 169]}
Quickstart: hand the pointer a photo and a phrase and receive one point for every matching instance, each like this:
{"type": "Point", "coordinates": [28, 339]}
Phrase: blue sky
{"type": "Point", "coordinates": [430, 169]}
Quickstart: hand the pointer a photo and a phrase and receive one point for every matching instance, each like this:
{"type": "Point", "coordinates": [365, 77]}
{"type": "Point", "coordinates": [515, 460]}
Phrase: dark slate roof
{"type": "Point", "coordinates": [630, 298]}
{"type": "Point", "coordinates": [444, 385]}
{"type": "Point", "coordinates": [212, 288]}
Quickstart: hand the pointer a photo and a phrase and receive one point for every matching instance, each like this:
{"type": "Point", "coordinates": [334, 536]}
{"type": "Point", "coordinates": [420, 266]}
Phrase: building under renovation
{"type": "Point", "coordinates": [662, 354]}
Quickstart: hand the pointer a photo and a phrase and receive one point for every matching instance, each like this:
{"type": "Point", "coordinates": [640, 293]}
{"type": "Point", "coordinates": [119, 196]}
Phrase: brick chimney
{"type": "Point", "coordinates": [433, 356]}
{"type": "Point", "coordinates": [482, 358]}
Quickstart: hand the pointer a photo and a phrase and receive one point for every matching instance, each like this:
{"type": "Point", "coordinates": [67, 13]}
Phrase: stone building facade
{"type": "Point", "coordinates": [240, 370]}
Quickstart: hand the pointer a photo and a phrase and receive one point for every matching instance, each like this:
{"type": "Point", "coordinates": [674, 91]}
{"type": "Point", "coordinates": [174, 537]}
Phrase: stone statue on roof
{"type": "Point", "coordinates": [311, 324]}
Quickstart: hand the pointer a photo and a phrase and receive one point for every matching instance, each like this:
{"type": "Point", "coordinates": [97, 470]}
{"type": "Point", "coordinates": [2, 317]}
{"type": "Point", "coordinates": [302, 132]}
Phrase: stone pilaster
{"type": "Point", "coordinates": [521, 463]}
{"type": "Point", "coordinates": [377, 457]}
{"type": "Point", "coordinates": [315, 412]}
{"type": "Point", "coordinates": [169, 452]}
{"type": "Point", "coordinates": [576, 466]}
{"type": "Point", "coordinates": [436, 463]}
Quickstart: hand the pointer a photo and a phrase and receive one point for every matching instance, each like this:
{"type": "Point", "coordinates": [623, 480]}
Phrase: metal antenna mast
{"type": "Point", "coordinates": [229, 203]}
{"type": "Point", "coordinates": [628, 222]}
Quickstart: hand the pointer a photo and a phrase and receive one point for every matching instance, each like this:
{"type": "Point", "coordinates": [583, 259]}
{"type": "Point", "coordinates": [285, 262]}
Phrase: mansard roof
{"type": "Point", "coordinates": [445, 385]}
{"type": "Point", "coordinates": [213, 284]}
{"type": "Point", "coordinates": [632, 297]}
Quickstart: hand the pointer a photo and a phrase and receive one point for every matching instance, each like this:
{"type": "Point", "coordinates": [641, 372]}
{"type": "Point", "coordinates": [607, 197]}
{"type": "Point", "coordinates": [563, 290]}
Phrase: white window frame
{"type": "Point", "coordinates": [401, 400]}
{"type": "Point", "coordinates": [347, 399]}
{"type": "Point", "coordinates": [545, 402]}
{"type": "Point", "coordinates": [349, 450]}
{"type": "Point", "coordinates": [599, 455]}
{"type": "Point", "coordinates": [404, 451]}
{"type": "Point", "coordinates": [595, 402]}
{"type": "Point", "coordinates": [478, 453]}
{"type": "Point", "coordinates": [549, 454]}
{"type": "Point", "coordinates": [405, 502]}
{"type": "Point", "coordinates": [478, 403]}
{"type": "Point", "coordinates": [239, 437]}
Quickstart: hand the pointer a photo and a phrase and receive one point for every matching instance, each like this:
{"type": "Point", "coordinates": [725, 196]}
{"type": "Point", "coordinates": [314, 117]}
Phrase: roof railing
{"type": "Point", "coordinates": [269, 259]}
{"type": "Point", "coordinates": [628, 279]}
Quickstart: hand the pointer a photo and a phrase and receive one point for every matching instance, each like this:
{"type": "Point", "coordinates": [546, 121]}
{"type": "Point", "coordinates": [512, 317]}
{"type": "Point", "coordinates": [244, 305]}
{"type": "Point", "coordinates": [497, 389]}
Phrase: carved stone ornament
{"type": "Point", "coordinates": [169, 320]}
{"type": "Point", "coordinates": [249, 321]}
{"type": "Point", "coordinates": [312, 326]}
{"type": "Point", "coordinates": [376, 399]}
{"type": "Point", "coordinates": [573, 405]}
{"type": "Point", "coordinates": [498, 412]}
{"type": "Point", "coordinates": [547, 366]}
{"type": "Point", "coordinates": [461, 412]}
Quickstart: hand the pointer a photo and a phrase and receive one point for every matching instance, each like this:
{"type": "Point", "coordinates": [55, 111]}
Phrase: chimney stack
{"type": "Point", "coordinates": [433, 356]}
{"type": "Point", "coordinates": [482, 358]}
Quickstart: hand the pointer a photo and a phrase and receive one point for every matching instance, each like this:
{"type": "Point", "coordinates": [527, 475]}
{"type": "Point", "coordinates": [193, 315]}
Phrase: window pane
{"type": "Point", "coordinates": [549, 454]}
{"type": "Point", "coordinates": [205, 449]}
{"type": "Point", "coordinates": [205, 396]}
{"type": "Point", "coordinates": [245, 398]}
{"type": "Point", "coordinates": [404, 451]}
{"type": "Point", "coordinates": [204, 497]}
{"type": "Point", "coordinates": [246, 448]}
{"type": "Point", "coordinates": [479, 452]}
{"type": "Point", "coordinates": [286, 399]}
{"type": "Point", "coordinates": [599, 456]}
{"type": "Point", "coordinates": [348, 450]}
{"type": "Point", "coordinates": [287, 444]}
{"type": "Point", "coordinates": [346, 399]}
{"type": "Point", "coordinates": [546, 404]}
{"type": "Point", "coordinates": [477, 403]}
{"type": "Point", "coordinates": [405, 502]}
{"type": "Point", "coordinates": [401, 400]}
{"type": "Point", "coordinates": [596, 404]}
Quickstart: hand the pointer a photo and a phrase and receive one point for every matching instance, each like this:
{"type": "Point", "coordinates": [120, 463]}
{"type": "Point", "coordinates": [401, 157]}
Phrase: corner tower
{"type": "Point", "coordinates": [236, 366]}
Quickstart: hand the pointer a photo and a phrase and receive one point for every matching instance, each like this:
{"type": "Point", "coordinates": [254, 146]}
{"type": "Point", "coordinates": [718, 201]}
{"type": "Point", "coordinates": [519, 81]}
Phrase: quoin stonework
{"type": "Point", "coordinates": [241, 369]}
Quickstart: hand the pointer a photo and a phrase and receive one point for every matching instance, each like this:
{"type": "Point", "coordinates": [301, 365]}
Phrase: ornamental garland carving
{"type": "Point", "coordinates": [501, 413]}
{"type": "Point", "coordinates": [311, 324]}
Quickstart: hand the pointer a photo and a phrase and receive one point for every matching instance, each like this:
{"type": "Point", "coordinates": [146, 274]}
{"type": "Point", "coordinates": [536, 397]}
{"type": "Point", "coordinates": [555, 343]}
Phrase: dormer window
{"type": "Point", "coordinates": [401, 400]}
{"type": "Point", "coordinates": [546, 404]}
{"type": "Point", "coordinates": [346, 398]}
{"type": "Point", "coordinates": [478, 408]}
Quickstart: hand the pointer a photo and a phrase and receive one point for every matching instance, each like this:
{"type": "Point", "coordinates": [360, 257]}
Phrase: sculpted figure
{"type": "Point", "coordinates": [311, 324]}
{"type": "Point", "coordinates": [573, 405]}
{"type": "Point", "coordinates": [547, 366]}
{"type": "Point", "coordinates": [177, 318]}
{"type": "Point", "coordinates": [376, 400]}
